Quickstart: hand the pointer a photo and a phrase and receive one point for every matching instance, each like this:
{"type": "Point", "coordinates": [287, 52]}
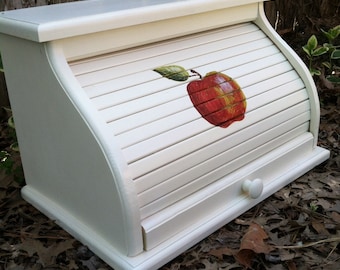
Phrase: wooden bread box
{"type": "Point", "coordinates": [121, 156]}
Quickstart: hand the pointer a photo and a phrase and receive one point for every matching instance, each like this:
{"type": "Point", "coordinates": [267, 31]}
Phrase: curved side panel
{"type": "Point", "coordinates": [123, 184]}
{"type": "Point", "coordinates": [299, 66]}
{"type": "Point", "coordinates": [72, 173]}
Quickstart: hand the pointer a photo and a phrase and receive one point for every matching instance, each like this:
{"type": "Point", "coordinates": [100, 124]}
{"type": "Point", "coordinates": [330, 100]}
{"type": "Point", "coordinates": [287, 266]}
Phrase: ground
{"type": "Point", "coordinates": [298, 227]}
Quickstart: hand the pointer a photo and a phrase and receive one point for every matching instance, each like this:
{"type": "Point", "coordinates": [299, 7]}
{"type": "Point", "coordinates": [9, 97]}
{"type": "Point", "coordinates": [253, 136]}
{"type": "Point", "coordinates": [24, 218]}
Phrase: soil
{"type": "Point", "coordinates": [298, 227]}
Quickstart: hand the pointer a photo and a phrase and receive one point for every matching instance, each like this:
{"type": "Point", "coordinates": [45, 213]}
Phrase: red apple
{"type": "Point", "coordinates": [216, 96]}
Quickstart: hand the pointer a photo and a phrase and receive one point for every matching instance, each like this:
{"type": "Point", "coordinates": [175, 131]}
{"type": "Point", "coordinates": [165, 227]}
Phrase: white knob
{"type": "Point", "coordinates": [253, 187]}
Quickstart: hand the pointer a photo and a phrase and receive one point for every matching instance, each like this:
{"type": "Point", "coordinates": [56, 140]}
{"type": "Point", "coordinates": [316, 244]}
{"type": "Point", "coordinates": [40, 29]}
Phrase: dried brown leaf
{"type": "Point", "coordinates": [47, 255]}
{"type": "Point", "coordinates": [245, 257]}
{"type": "Point", "coordinates": [222, 251]}
{"type": "Point", "coordinates": [291, 265]}
{"type": "Point", "coordinates": [252, 243]}
{"type": "Point", "coordinates": [336, 217]}
{"type": "Point", "coordinates": [320, 227]}
{"type": "Point", "coordinates": [254, 240]}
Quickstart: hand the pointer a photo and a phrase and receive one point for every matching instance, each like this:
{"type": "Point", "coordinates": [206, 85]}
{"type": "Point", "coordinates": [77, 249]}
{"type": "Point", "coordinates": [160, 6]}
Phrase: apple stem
{"type": "Point", "coordinates": [195, 73]}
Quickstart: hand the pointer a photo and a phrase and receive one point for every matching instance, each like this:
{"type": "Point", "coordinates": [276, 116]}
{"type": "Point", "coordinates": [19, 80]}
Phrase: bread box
{"type": "Point", "coordinates": [124, 157]}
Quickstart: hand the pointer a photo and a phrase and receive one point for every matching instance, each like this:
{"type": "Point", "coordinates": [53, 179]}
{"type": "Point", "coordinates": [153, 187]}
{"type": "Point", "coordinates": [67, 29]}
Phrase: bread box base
{"type": "Point", "coordinates": [276, 170]}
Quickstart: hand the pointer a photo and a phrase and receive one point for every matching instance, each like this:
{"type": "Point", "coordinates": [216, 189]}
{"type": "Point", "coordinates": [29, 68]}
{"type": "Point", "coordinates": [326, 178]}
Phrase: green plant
{"type": "Point", "coordinates": [10, 161]}
{"type": "Point", "coordinates": [334, 53]}
{"type": "Point", "coordinates": [332, 34]}
{"type": "Point", "coordinates": [314, 51]}
{"type": "Point", "coordinates": [313, 207]}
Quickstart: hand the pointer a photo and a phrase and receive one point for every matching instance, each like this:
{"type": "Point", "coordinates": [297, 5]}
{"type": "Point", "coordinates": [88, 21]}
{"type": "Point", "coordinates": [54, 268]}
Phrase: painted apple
{"type": "Point", "coordinates": [216, 96]}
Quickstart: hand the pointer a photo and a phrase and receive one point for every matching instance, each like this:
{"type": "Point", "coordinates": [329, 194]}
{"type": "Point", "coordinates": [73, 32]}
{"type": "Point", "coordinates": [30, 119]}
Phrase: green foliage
{"type": "Point", "coordinates": [10, 161]}
{"type": "Point", "coordinates": [314, 51]}
{"type": "Point", "coordinates": [332, 34]}
{"type": "Point", "coordinates": [313, 207]}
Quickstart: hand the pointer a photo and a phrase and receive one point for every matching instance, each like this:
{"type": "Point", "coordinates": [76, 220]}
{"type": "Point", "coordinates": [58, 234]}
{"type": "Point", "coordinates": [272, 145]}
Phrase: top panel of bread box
{"type": "Point", "coordinates": [46, 23]}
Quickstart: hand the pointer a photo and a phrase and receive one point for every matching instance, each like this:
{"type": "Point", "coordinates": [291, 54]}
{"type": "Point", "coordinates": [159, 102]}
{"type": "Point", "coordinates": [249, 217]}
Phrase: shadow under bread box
{"type": "Point", "coordinates": [144, 126]}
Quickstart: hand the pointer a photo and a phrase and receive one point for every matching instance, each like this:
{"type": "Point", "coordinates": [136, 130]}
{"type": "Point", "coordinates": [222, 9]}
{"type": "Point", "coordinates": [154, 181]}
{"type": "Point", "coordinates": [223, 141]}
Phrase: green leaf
{"type": "Point", "coordinates": [11, 122]}
{"type": "Point", "coordinates": [314, 71]}
{"type": "Point", "coordinates": [335, 54]}
{"type": "Point", "coordinates": [335, 32]}
{"type": "Point", "coordinates": [328, 35]}
{"type": "Point", "coordinates": [173, 72]}
{"type": "Point", "coordinates": [333, 79]}
{"type": "Point", "coordinates": [328, 45]}
{"type": "Point", "coordinates": [6, 162]}
{"type": "Point", "coordinates": [312, 43]}
{"type": "Point", "coordinates": [332, 33]}
{"type": "Point", "coordinates": [307, 51]}
{"type": "Point", "coordinates": [320, 51]}
{"type": "Point", "coordinates": [327, 64]}
{"type": "Point", "coordinates": [15, 147]}
{"type": "Point", "coordinates": [337, 29]}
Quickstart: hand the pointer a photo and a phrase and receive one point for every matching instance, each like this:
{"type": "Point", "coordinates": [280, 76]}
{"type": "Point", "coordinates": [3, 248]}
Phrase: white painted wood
{"type": "Point", "coordinates": [298, 65]}
{"type": "Point", "coordinates": [155, 227]}
{"type": "Point", "coordinates": [52, 135]}
{"type": "Point", "coordinates": [73, 19]}
{"type": "Point", "coordinates": [118, 155]}
{"type": "Point", "coordinates": [253, 187]}
{"type": "Point", "coordinates": [186, 162]}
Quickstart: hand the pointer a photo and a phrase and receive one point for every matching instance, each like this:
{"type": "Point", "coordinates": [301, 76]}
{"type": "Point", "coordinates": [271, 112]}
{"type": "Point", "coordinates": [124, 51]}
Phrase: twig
{"type": "Point", "coordinates": [335, 239]}
{"type": "Point", "coordinates": [277, 20]}
{"type": "Point", "coordinates": [330, 253]}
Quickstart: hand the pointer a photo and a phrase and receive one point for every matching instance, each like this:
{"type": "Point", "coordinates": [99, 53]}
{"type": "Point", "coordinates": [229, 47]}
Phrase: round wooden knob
{"type": "Point", "coordinates": [253, 187]}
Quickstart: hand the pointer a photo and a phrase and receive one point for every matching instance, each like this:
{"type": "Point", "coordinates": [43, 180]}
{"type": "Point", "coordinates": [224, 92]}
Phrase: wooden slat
{"type": "Point", "coordinates": [89, 65]}
{"type": "Point", "coordinates": [232, 36]}
{"type": "Point", "coordinates": [222, 169]}
{"type": "Point", "coordinates": [174, 56]}
{"type": "Point", "coordinates": [203, 153]}
{"type": "Point", "coordinates": [277, 64]}
{"type": "Point", "coordinates": [179, 118]}
{"type": "Point", "coordinates": [216, 197]}
{"type": "Point", "coordinates": [170, 150]}
{"type": "Point", "coordinates": [167, 109]}
{"type": "Point", "coordinates": [129, 79]}
{"type": "Point", "coordinates": [169, 154]}
{"type": "Point", "coordinates": [127, 89]}
{"type": "Point", "coordinates": [181, 133]}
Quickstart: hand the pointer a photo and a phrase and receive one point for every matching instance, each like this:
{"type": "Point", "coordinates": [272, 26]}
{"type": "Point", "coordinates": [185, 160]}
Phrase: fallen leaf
{"type": "Point", "coordinates": [287, 255]}
{"type": "Point", "coordinates": [254, 240]}
{"type": "Point", "coordinates": [245, 257]}
{"type": "Point", "coordinates": [47, 255]}
{"type": "Point", "coordinates": [320, 227]}
{"type": "Point", "coordinates": [336, 207]}
{"type": "Point", "coordinates": [291, 265]}
{"type": "Point", "coordinates": [222, 251]}
{"type": "Point", "coordinates": [336, 217]}
{"type": "Point", "coordinates": [324, 204]}
{"type": "Point", "coordinates": [252, 243]}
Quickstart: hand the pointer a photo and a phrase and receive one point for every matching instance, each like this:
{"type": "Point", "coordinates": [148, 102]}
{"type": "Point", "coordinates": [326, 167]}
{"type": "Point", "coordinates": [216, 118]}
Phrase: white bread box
{"type": "Point", "coordinates": [123, 158]}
